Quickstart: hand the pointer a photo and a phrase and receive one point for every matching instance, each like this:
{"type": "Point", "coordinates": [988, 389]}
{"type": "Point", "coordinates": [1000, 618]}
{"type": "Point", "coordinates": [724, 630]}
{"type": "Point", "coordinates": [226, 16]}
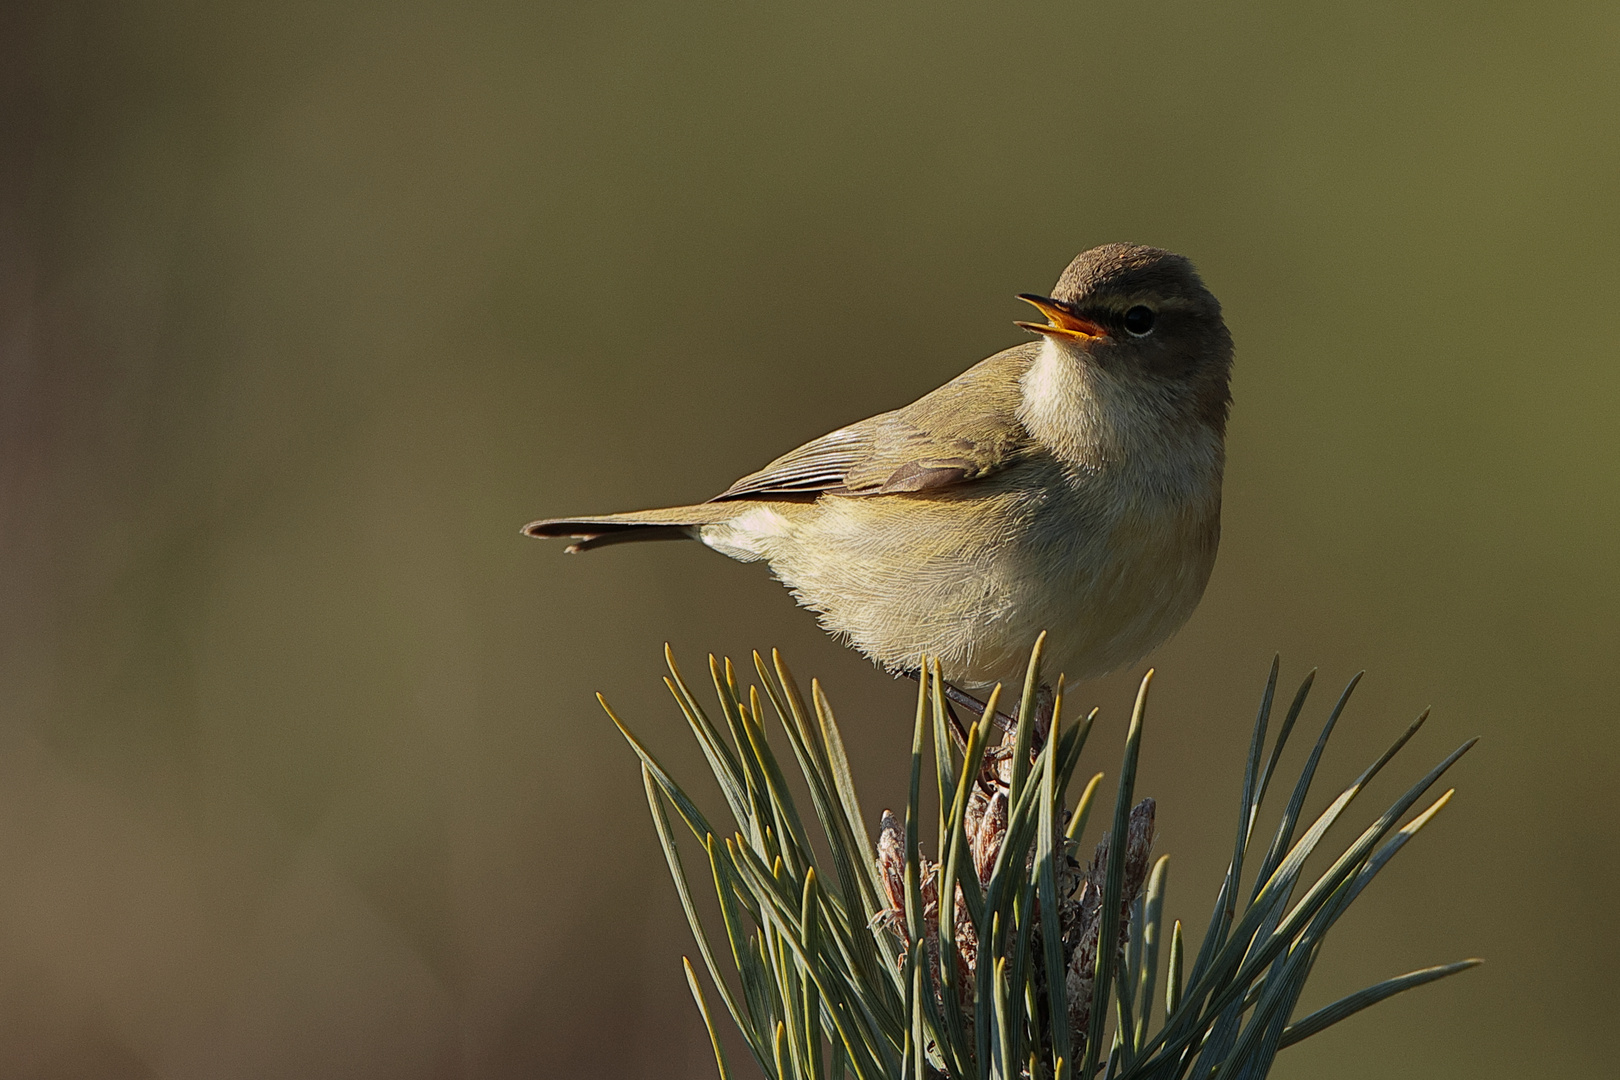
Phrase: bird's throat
{"type": "Point", "coordinates": [1093, 419]}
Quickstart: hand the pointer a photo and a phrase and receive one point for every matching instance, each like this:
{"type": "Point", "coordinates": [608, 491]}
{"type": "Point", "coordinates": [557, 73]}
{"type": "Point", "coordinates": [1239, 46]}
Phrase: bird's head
{"type": "Point", "coordinates": [1143, 315]}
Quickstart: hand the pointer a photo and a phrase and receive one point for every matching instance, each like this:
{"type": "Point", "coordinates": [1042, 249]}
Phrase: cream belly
{"type": "Point", "coordinates": [1106, 565]}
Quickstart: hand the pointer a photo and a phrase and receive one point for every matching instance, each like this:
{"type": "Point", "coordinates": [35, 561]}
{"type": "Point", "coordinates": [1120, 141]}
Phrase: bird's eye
{"type": "Point", "coordinates": [1139, 320]}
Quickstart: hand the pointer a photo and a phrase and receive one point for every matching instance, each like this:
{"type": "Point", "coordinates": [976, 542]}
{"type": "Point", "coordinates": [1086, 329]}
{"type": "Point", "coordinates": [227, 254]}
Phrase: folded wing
{"type": "Point", "coordinates": [965, 430]}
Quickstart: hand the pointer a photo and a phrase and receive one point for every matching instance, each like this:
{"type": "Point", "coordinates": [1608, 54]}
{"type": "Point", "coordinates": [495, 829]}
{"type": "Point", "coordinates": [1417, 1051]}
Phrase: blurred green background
{"type": "Point", "coordinates": [305, 308]}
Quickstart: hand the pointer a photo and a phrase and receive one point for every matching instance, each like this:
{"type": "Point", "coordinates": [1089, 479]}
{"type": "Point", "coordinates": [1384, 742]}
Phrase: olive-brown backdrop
{"type": "Point", "coordinates": [305, 308]}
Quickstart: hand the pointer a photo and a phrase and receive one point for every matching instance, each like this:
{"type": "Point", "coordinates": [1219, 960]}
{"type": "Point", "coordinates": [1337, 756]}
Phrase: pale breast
{"type": "Point", "coordinates": [1113, 598]}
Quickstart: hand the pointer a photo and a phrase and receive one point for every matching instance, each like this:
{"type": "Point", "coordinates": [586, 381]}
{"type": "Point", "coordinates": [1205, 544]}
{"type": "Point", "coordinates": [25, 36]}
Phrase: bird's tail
{"type": "Point", "coordinates": [667, 523]}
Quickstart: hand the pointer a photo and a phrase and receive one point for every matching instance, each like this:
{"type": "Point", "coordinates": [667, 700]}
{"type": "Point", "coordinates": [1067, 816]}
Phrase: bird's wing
{"type": "Point", "coordinates": [815, 467]}
{"type": "Point", "coordinates": [963, 431]}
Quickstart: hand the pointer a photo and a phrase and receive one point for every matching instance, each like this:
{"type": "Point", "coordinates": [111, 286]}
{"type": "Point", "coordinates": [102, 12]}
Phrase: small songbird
{"type": "Point", "coordinates": [1070, 484]}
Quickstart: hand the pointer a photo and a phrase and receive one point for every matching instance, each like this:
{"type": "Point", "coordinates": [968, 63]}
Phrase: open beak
{"type": "Point", "coordinates": [1061, 322]}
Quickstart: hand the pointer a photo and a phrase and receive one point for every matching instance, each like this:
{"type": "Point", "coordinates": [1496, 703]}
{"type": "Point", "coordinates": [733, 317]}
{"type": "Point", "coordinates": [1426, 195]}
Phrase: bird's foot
{"type": "Point", "coordinates": [998, 759]}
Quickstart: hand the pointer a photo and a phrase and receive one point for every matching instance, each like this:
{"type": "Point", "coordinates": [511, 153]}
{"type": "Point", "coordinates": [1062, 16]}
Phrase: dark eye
{"type": "Point", "coordinates": [1139, 320]}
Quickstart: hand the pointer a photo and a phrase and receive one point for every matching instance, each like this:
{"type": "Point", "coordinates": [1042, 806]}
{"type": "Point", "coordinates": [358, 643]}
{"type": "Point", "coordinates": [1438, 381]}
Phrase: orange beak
{"type": "Point", "coordinates": [1061, 322]}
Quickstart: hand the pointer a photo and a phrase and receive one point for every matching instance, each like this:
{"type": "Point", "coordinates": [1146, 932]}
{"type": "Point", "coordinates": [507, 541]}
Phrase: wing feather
{"type": "Point", "coordinates": [816, 466]}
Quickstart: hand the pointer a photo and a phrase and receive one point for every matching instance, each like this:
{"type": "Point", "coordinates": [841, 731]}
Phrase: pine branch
{"type": "Point", "coordinates": [1007, 957]}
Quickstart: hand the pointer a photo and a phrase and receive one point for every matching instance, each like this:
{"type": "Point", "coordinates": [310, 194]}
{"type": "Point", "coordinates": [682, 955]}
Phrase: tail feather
{"type": "Point", "coordinates": [634, 534]}
{"type": "Point", "coordinates": [667, 523]}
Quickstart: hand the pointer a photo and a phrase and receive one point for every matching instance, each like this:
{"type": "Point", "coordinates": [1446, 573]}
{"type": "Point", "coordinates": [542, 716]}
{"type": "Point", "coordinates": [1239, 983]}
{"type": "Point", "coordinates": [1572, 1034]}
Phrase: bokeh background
{"type": "Point", "coordinates": [305, 308]}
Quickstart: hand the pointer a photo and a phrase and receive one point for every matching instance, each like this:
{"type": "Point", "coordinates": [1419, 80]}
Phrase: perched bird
{"type": "Point", "coordinates": [1070, 484]}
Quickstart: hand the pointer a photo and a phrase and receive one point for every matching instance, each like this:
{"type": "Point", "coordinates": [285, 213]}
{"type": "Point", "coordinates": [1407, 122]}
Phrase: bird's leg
{"type": "Point", "coordinates": [996, 756]}
{"type": "Point", "coordinates": [958, 729]}
{"type": "Point", "coordinates": [967, 701]}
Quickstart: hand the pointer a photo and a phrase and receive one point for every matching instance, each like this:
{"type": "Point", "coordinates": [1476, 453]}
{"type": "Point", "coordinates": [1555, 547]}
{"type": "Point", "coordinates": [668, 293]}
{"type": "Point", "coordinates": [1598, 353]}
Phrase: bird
{"type": "Point", "coordinates": [1069, 484]}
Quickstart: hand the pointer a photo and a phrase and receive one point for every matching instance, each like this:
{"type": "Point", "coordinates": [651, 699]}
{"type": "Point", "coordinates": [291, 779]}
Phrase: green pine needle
{"type": "Point", "coordinates": [991, 964]}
